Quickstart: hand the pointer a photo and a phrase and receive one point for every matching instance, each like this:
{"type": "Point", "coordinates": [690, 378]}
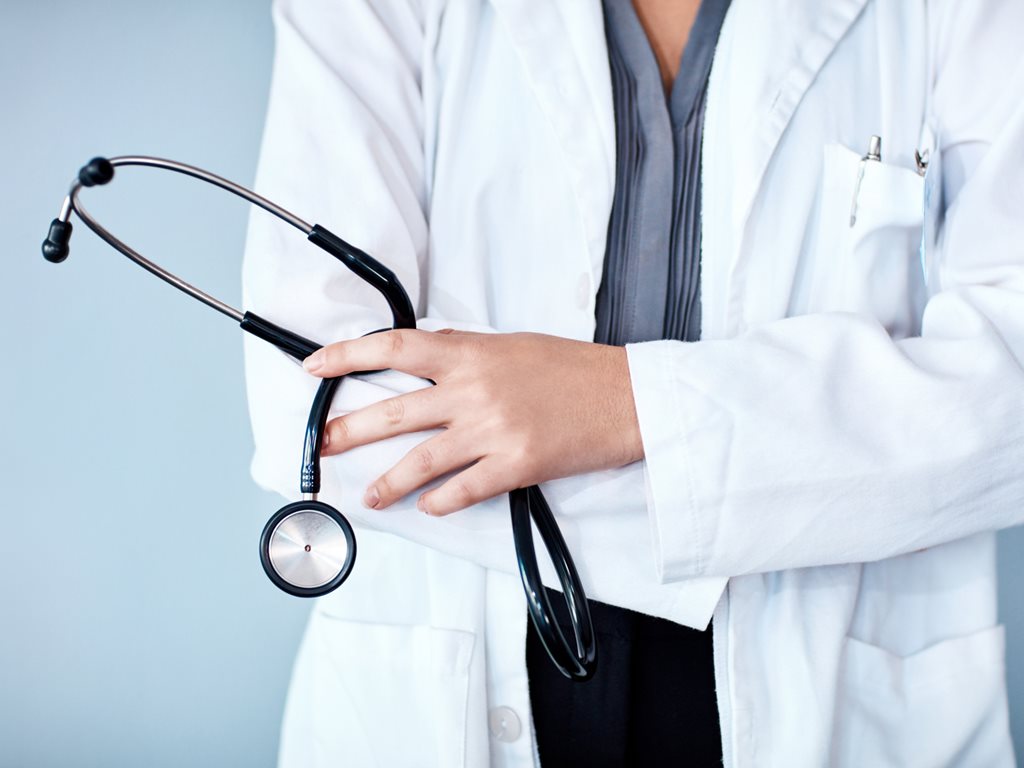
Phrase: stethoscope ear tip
{"type": "Point", "coordinates": [97, 171]}
{"type": "Point", "coordinates": [56, 245]}
{"type": "Point", "coordinates": [55, 248]}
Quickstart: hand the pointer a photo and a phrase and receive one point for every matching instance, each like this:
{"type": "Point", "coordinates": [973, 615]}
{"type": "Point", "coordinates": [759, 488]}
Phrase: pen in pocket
{"type": "Point", "coordinates": [874, 154]}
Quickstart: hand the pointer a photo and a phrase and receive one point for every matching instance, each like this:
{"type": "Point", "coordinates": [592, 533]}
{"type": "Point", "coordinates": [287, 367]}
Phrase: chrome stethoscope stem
{"type": "Point", "coordinates": [73, 204]}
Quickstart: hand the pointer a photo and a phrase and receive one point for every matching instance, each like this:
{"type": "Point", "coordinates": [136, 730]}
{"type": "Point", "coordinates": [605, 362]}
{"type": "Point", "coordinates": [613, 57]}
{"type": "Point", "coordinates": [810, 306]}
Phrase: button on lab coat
{"type": "Point", "coordinates": [824, 470]}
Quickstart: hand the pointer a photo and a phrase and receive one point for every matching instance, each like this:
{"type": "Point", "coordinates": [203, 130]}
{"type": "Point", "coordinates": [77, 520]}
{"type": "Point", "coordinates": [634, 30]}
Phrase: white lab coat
{"type": "Point", "coordinates": [824, 469]}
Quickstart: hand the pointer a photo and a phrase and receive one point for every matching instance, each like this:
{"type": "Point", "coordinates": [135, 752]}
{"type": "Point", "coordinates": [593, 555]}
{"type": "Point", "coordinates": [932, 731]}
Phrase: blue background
{"type": "Point", "coordinates": [138, 628]}
{"type": "Point", "coordinates": [137, 625]}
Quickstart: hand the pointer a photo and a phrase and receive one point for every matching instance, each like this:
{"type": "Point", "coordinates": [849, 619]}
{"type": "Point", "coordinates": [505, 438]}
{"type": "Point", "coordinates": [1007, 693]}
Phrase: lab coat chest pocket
{"type": "Point", "coordinates": [390, 694]}
{"type": "Point", "coordinates": [867, 249]}
{"type": "Point", "coordinates": [947, 699]}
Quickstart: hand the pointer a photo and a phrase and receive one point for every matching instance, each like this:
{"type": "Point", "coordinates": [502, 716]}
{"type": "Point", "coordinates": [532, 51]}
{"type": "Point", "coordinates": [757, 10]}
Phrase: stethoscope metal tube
{"type": "Point", "coordinates": [308, 548]}
{"type": "Point", "coordinates": [97, 173]}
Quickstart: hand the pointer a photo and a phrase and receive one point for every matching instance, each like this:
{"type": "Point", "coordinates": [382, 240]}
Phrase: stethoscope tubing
{"type": "Point", "coordinates": [72, 203]}
{"type": "Point", "coordinates": [578, 664]}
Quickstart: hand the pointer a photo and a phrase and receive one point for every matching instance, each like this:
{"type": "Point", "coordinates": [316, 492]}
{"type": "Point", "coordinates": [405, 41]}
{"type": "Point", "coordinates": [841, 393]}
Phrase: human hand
{"type": "Point", "coordinates": [517, 409]}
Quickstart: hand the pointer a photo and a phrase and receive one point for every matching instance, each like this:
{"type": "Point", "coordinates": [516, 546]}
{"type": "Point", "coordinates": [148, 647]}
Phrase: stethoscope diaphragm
{"type": "Point", "coordinates": [307, 548]}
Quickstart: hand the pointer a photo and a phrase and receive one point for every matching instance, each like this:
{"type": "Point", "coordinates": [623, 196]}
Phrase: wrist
{"type": "Point", "coordinates": [627, 425]}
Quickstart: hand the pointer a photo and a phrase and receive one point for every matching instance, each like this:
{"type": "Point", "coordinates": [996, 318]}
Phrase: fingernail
{"type": "Point", "coordinates": [314, 362]}
{"type": "Point", "coordinates": [327, 438]}
{"type": "Point", "coordinates": [421, 505]}
{"type": "Point", "coordinates": [372, 498]}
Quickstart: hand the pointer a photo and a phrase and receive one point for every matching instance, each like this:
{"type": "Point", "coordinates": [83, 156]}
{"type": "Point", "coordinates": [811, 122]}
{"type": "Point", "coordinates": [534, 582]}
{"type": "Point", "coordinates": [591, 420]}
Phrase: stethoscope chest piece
{"type": "Point", "coordinates": [307, 548]}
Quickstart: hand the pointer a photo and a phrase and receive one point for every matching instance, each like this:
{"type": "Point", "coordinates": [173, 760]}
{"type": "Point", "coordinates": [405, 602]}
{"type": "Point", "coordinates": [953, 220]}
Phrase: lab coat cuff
{"type": "Point", "coordinates": [676, 526]}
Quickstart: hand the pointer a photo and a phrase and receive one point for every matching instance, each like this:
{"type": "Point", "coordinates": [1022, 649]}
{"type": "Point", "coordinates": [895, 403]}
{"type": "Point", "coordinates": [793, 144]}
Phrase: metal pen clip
{"type": "Point", "coordinates": [921, 161]}
{"type": "Point", "coordinates": [874, 154]}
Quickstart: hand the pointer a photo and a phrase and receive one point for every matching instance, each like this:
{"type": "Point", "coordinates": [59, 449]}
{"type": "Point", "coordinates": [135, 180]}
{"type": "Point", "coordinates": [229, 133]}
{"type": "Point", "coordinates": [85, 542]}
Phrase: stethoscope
{"type": "Point", "coordinates": [307, 547]}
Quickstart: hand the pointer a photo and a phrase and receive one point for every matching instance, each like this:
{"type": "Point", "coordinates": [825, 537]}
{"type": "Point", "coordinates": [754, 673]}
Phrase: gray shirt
{"type": "Point", "coordinates": [657, 679]}
{"type": "Point", "coordinates": [651, 284]}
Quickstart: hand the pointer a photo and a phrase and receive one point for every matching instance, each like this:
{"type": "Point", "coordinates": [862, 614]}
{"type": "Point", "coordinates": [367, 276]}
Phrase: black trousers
{"type": "Point", "coordinates": [650, 703]}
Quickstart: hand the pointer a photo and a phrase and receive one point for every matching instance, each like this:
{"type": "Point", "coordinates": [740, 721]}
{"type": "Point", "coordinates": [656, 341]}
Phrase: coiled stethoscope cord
{"type": "Point", "coordinates": [308, 548]}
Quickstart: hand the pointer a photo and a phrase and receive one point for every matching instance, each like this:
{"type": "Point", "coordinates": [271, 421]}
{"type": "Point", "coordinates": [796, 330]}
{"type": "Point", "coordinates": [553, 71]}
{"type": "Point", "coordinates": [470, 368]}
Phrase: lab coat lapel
{"type": "Point", "coordinates": [768, 55]}
{"type": "Point", "coordinates": [562, 49]}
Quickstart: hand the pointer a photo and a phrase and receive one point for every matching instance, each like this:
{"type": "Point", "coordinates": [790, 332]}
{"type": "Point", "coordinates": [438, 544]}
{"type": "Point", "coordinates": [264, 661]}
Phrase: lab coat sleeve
{"type": "Point", "coordinates": [342, 147]}
{"type": "Point", "coordinates": [325, 145]}
{"type": "Point", "coordinates": [819, 439]}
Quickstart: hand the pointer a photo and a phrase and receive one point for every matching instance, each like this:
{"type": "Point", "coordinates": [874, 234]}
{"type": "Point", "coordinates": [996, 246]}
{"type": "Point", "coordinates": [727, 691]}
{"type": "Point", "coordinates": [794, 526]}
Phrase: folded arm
{"type": "Point", "coordinates": [343, 146]}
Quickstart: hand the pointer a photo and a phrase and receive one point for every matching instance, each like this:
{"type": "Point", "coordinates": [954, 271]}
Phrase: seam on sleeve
{"type": "Point", "coordinates": [687, 469]}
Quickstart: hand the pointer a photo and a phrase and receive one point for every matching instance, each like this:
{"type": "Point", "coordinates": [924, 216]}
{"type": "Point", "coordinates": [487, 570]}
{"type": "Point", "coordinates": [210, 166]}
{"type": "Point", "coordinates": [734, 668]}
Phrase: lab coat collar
{"type": "Point", "coordinates": [794, 44]}
{"type": "Point", "coordinates": [768, 55]}
{"type": "Point", "coordinates": [562, 48]}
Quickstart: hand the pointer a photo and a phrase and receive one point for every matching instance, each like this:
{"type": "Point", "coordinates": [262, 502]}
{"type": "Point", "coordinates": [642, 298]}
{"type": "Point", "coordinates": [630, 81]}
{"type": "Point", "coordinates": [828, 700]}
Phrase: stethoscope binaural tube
{"type": "Point", "coordinates": [308, 548]}
{"type": "Point", "coordinates": [100, 171]}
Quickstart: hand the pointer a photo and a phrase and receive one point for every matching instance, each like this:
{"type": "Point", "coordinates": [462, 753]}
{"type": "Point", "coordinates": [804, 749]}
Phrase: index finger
{"type": "Point", "coordinates": [420, 353]}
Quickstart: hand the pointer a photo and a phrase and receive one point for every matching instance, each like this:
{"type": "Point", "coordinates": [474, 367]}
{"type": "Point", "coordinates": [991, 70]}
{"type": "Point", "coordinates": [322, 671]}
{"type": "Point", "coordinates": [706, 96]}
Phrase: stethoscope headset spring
{"type": "Point", "coordinates": [308, 548]}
